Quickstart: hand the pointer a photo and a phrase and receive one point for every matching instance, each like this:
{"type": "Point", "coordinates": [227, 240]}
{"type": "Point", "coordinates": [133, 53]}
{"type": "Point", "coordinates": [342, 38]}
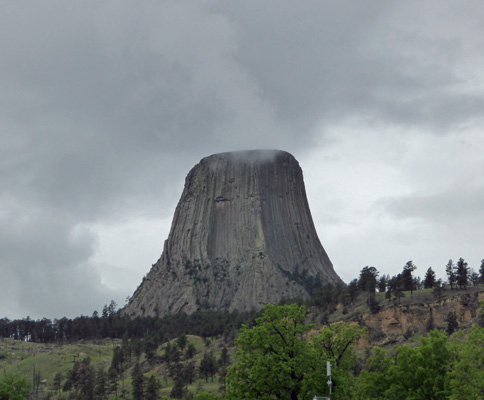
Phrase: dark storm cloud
{"type": "Point", "coordinates": [107, 105]}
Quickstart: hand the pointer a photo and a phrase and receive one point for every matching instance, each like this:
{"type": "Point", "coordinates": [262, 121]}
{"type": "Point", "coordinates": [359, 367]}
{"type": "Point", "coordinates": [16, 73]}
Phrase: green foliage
{"type": "Point", "coordinates": [467, 375]}
{"type": "Point", "coordinates": [202, 395]}
{"type": "Point", "coordinates": [275, 359]}
{"type": "Point", "coordinates": [14, 387]}
{"type": "Point", "coordinates": [418, 373]}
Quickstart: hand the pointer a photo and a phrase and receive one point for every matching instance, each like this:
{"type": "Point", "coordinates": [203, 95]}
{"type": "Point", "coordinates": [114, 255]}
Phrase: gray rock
{"type": "Point", "coordinates": [242, 236]}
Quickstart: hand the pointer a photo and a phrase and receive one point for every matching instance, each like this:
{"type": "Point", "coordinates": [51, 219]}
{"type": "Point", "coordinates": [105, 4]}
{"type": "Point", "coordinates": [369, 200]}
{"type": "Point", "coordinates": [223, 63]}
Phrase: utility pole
{"type": "Point", "coordinates": [330, 383]}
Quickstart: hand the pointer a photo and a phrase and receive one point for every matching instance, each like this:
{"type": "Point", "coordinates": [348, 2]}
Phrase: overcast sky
{"type": "Point", "coordinates": [106, 105]}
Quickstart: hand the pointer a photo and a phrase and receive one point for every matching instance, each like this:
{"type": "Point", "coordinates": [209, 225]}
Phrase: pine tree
{"type": "Point", "coordinates": [449, 270]}
{"type": "Point", "coordinates": [481, 272]}
{"type": "Point", "coordinates": [152, 388]}
{"type": "Point", "coordinates": [407, 278]}
{"type": "Point", "coordinates": [429, 280]}
{"type": "Point", "coordinates": [462, 273]}
{"type": "Point", "coordinates": [137, 377]}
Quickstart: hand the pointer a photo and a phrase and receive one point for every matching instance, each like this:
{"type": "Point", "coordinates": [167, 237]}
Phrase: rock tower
{"type": "Point", "coordinates": [242, 236]}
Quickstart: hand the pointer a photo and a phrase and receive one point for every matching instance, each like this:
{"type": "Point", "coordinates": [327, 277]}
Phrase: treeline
{"type": "Point", "coordinates": [459, 276]}
{"type": "Point", "coordinates": [112, 325]}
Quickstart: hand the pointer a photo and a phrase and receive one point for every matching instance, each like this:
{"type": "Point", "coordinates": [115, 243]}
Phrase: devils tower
{"type": "Point", "coordinates": [242, 236]}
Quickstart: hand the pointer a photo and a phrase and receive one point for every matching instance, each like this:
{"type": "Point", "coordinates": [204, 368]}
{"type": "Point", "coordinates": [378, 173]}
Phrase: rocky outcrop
{"type": "Point", "coordinates": [242, 236]}
{"type": "Point", "coordinates": [397, 323]}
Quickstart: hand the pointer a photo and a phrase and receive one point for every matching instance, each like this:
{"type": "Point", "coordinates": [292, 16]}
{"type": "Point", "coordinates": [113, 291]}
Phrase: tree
{"type": "Point", "coordinates": [474, 278]}
{"type": "Point", "coordinates": [275, 347]}
{"type": "Point", "coordinates": [275, 358]}
{"type": "Point", "coordinates": [452, 323]}
{"type": "Point", "coordinates": [57, 383]}
{"type": "Point", "coordinates": [368, 279]}
{"type": "Point", "coordinates": [429, 280]}
{"type": "Point", "coordinates": [178, 391]}
{"type": "Point", "coordinates": [462, 273]}
{"type": "Point", "coordinates": [137, 383]}
{"type": "Point", "coordinates": [407, 278]}
{"type": "Point", "coordinates": [353, 290]}
{"type": "Point", "coordinates": [208, 366]}
{"type": "Point", "coordinates": [100, 384]}
{"type": "Point", "coordinates": [467, 374]}
{"type": "Point", "coordinates": [152, 388]}
{"type": "Point", "coordinates": [374, 381]}
{"type": "Point", "coordinates": [14, 387]}
{"type": "Point", "coordinates": [481, 272]}
{"type": "Point", "coordinates": [382, 283]}
{"type": "Point", "coordinates": [421, 372]}
{"type": "Point", "coordinates": [182, 341]}
{"type": "Point", "coordinates": [438, 287]}
{"type": "Point", "coordinates": [335, 343]}
{"type": "Point", "coordinates": [150, 347]}
{"type": "Point", "coordinates": [449, 270]}
{"type": "Point", "coordinates": [190, 351]}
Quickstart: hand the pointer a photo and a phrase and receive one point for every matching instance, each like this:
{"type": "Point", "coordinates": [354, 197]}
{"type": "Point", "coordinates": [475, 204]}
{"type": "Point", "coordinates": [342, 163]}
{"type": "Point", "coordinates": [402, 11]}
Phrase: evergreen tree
{"type": "Point", "coordinates": [429, 280]}
{"type": "Point", "coordinates": [450, 271]}
{"type": "Point", "coordinates": [178, 391]}
{"type": "Point", "coordinates": [382, 283]}
{"type": "Point", "coordinates": [407, 278]}
{"type": "Point", "coordinates": [353, 290]}
{"type": "Point", "coordinates": [208, 366]}
{"type": "Point", "coordinates": [452, 323]}
{"type": "Point", "coordinates": [462, 274]}
{"type": "Point", "coordinates": [481, 272]}
{"type": "Point", "coordinates": [152, 388]}
{"type": "Point", "coordinates": [368, 279]}
{"type": "Point", "coordinates": [190, 351]}
{"type": "Point", "coordinates": [100, 384]}
{"type": "Point", "coordinates": [182, 341]}
{"type": "Point", "coordinates": [137, 382]}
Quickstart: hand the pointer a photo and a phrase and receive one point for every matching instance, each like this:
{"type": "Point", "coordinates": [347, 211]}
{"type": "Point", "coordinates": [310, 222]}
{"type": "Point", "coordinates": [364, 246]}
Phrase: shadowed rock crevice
{"type": "Point", "coordinates": [242, 236]}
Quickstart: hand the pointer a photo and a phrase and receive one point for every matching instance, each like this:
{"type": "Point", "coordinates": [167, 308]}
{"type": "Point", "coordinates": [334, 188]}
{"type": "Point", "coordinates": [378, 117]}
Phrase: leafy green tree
{"type": "Point", "coordinates": [374, 381]}
{"type": "Point", "coordinates": [14, 387]}
{"type": "Point", "coordinates": [467, 374]}
{"type": "Point", "coordinates": [272, 359]}
{"type": "Point", "coordinates": [335, 343]}
{"type": "Point", "coordinates": [277, 358]}
{"type": "Point", "coordinates": [202, 395]}
{"type": "Point", "coordinates": [421, 372]}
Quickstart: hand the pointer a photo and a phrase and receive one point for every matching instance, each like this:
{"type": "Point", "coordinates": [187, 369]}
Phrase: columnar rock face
{"type": "Point", "coordinates": [242, 236]}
